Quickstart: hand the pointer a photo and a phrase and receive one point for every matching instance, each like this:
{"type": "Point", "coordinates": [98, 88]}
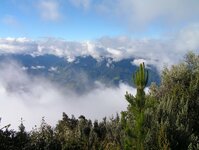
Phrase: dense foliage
{"type": "Point", "coordinates": [165, 118]}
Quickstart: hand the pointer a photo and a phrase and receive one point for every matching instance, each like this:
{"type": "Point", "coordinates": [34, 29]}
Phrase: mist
{"type": "Point", "coordinates": [32, 97]}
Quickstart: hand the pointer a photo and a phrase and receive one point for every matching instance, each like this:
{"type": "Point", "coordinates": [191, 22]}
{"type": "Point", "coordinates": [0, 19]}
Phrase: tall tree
{"type": "Point", "coordinates": [133, 120]}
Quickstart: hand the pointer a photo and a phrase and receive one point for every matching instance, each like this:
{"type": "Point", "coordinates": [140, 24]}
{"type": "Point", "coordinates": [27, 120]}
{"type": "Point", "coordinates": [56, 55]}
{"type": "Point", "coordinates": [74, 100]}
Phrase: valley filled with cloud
{"type": "Point", "coordinates": [32, 97]}
{"type": "Point", "coordinates": [156, 32]}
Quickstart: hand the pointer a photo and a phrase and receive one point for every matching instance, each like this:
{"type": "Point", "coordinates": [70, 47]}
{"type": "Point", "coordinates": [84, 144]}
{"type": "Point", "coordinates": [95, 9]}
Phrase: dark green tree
{"type": "Point", "coordinates": [21, 138]}
{"type": "Point", "coordinates": [133, 120]}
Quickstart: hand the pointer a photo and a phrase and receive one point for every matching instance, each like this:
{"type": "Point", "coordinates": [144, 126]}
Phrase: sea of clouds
{"type": "Point", "coordinates": [31, 98]}
{"type": "Point", "coordinates": [167, 50]}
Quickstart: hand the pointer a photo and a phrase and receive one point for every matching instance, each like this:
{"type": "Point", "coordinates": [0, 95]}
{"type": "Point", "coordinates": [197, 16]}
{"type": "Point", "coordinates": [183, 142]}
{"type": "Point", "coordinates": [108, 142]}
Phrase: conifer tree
{"type": "Point", "coordinates": [133, 120]}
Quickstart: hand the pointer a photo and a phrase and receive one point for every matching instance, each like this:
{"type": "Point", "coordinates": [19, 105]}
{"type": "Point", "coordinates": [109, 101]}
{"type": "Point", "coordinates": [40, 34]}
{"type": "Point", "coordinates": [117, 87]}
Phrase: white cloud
{"type": "Point", "coordinates": [188, 38]}
{"type": "Point", "coordinates": [160, 52]}
{"type": "Point", "coordinates": [17, 45]}
{"type": "Point", "coordinates": [85, 4]}
{"type": "Point", "coordinates": [37, 67]}
{"type": "Point", "coordinates": [10, 20]}
{"type": "Point", "coordinates": [24, 68]}
{"type": "Point", "coordinates": [137, 62]}
{"type": "Point", "coordinates": [49, 10]}
{"type": "Point", "coordinates": [114, 52]}
{"type": "Point", "coordinates": [32, 98]}
{"type": "Point", "coordinates": [142, 13]}
{"type": "Point", "coordinates": [53, 69]}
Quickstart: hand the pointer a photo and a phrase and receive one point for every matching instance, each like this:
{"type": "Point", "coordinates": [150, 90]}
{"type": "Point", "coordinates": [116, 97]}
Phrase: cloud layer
{"type": "Point", "coordinates": [32, 98]}
{"type": "Point", "coordinates": [167, 50]}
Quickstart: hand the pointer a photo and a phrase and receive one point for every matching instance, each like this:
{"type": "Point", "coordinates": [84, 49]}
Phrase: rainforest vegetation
{"type": "Point", "coordinates": [166, 117]}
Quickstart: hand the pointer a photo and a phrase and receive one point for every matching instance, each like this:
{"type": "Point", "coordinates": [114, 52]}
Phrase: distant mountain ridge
{"type": "Point", "coordinates": [83, 73]}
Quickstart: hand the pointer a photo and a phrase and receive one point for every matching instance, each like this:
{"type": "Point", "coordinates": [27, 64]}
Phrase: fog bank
{"type": "Point", "coordinates": [32, 98]}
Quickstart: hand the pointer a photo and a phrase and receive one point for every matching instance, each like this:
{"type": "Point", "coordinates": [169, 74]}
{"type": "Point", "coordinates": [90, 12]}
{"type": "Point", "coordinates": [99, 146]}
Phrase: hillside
{"type": "Point", "coordinates": [82, 74]}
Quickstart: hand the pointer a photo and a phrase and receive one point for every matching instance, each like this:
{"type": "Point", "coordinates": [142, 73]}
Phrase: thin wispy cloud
{"type": "Point", "coordinates": [85, 4]}
{"type": "Point", "coordinates": [10, 20]}
{"type": "Point", "coordinates": [142, 14]}
{"type": "Point", "coordinates": [91, 19]}
{"type": "Point", "coordinates": [49, 10]}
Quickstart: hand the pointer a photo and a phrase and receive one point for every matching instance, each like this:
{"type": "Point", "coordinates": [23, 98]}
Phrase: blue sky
{"type": "Point", "coordinates": [92, 19]}
{"type": "Point", "coordinates": [161, 30]}
{"type": "Point", "coordinates": [25, 19]}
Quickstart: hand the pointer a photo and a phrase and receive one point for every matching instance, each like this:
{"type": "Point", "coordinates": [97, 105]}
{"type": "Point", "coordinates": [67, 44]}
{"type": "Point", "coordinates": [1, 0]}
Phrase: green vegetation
{"type": "Point", "coordinates": [133, 120]}
{"type": "Point", "coordinates": [165, 118]}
